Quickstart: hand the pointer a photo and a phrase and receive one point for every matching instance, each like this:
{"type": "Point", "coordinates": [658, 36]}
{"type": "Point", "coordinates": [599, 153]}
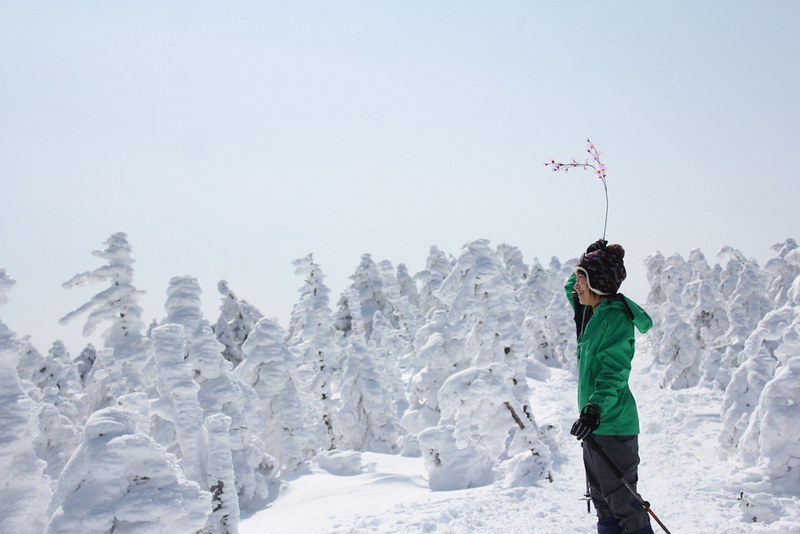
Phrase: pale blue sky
{"type": "Point", "coordinates": [228, 138]}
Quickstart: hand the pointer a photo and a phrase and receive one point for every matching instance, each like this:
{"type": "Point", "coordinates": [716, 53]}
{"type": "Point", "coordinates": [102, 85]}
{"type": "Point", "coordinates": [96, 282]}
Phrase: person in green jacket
{"type": "Point", "coordinates": [605, 322]}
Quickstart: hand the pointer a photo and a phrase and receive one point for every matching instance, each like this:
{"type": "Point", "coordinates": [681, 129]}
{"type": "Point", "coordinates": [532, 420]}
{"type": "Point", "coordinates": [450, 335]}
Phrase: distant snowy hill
{"type": "Point", "coordinates": [430, 402]}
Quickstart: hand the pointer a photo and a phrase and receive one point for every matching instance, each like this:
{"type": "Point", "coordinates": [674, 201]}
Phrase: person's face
{"type": "Point", "coordinates": [586, 296]}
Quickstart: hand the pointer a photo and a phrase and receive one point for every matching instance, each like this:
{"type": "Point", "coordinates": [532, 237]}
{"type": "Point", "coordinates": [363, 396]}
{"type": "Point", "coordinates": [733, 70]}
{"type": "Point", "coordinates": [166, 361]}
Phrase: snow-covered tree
{"type": "Point", "coordinates": [108, 381]}
{"type": "Point", "coordinates": [433, 364]}
{"type": "Point", "coordinates": [118, 305]}
{"type": "Point", "coordinates": [268, 367]}
{"type": "Point", "coordinates": [750, 378]}
{"type": "Point", "coordinates": [392, 346]}
{"type": "Point", "coordinates": [312, 337]}
{"type": "Point", "coordinates": [118, 368]}
{"type": "Point", "coordinates": [784, 269]}
{"type": "Point", "coordinates": [548, 329]}
{"type": "Point", "coordinates": [85, 361]}
{"type": "Point", "coordinates": [62, 374]}
{"type": "Point", "coordinates": [654, 266]}
{"type": "Point", "coordinates": [183, 303]}
{"type": "Point", "coordinates": [237, 318]}
{"type": "Point", "coordinates": [482, 307]}
{"type": "Point", "coordinates": [680, 351]}
{"type": "Point", "coordinates": [223, 393]}
{"type": "Point", "coordinates": [771, 442]}
{"type": "Point", "coordinates": [204, 353]}
{"type": "Point", "coordinates": [31, 363]}
{"type": "Point", "coordinates": [483, 424]}
{"type": "Point", "coordinates": [62, 402]}
{"type": "Point", "coordinates": [406, 316]}
{"type": "Point", "coordinates": [177, 403]}
{"type": "Point", "coordinates": [121, 481]}
{"type": "Point", "coordinates": [365, 296]}
{"type": "Point", "coordinates": [514, 264]}
{"type": "Point", "coordinates": [747, 305]}
{"type": "Point", "coordinates": [366, 420]}
{"type": "Point", "coordinates": [408, 288]}
{"type": "Point", "coordinates": [25, 489]}
{"type": "Point", "coordinates": [221, 479]}
{"type": "Point", "coordinates": [437, 268]}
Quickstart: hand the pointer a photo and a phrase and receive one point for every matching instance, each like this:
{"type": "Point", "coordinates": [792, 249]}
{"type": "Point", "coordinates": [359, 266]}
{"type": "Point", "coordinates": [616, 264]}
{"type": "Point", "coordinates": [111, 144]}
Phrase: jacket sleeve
{"type": "Point", "coordinates": [615, 353]}
{"type": "Point", "coordinates": [569, 287]}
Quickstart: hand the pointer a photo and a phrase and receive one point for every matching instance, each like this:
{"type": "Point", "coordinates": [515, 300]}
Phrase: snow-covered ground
{"type": "Point", "coordinates": [681, 475]}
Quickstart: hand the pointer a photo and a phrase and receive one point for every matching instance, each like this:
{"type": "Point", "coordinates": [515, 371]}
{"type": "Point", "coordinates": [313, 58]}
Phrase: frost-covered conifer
{"type": "Point", "coordinates": [559, 324]}
{"type": "Point", "coordinates": [482, 307]}
{"type": "Point", "coordinates": [784, 270]}
{"type": "Point", "coordinates": [406, 318]}
{"type": "Point", "coordinates": [707, 316]}
{"type": "Point", "coordinates": [437, 268]}
{"type": "Point", "coordinates": [654, 265]}
{"type": "Point", "coordinates": [118, 305]}
{"type": "Point", "coordinates": [408, 288]}
{"type": "Point", "coordinates": [698, 266]}
{"type": "Point", "coordinates": [729, 276]}
{"type": "Point", "coordinates": [63, 375]}
{"type": "Point", "coordinates": [480, 410]}
{"type": "Point", "coordinates": [121, 481]}
{"type": "Point", "coordinates": [680, 351]}
{"type": "Point", "coordinates": [365, 296]}
{"type": "Point", "coordinates": [391, 347]}
{"type": "Point", "coordinates": [432, 365]}
{"type": "Point", "coordinates": [183, 303]}
{"type": "Point", "coordinates": [63, 406]}
{"type": "Point", "coordinates": [224, 518]}
{"type": "Point", "coordinates": [268, 368]}
{"type": "Point", "coordinates": [203, 351]}
{"type": "Point", "coordinates": [771, 443]}
{"type": "Point", "coordinates": [222, 393]}
{"type": "Point", "coordinates": [547, 330]}
{"type": "Point", "coordinates": [107, 381]}
{"type": "Point", "coordinates": [312, 337]}
{"type": "Point", "coordinates": [178, 403]}
{"type": "Point", "coordinates": [749, 379]}
{"type": "Point", "coordinates": [514, 264]}
{"type": "Point", "coordinates": [30, 365]}
{"type": "Point", "coordinates": [674, 276]}
{"type": "Point", "coordinates": [683, 321]}
{"type": "Point", "coordinates": [366, 420]}
{"type": "Point", "coordinates": [747, 305]}
{"type": "Point", "coordinates": [85, 361]}
{"type": "Point", "coordinates": [237, 318]}
{"type": "Point", "coordinates": [25, 489]}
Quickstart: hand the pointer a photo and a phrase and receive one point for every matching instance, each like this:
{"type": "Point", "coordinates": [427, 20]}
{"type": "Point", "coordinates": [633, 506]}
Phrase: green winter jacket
{"type": "Point", "coordinates": [605, 350]}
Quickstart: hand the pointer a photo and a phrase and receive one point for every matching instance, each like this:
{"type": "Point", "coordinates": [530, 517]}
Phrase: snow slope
{"type": "Point", "coordinates": [681, 475]}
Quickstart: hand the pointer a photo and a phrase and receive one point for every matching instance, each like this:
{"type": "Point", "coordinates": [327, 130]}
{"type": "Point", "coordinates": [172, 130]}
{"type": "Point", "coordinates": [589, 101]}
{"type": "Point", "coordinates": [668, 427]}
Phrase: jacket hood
{"type": "Point", "coordinates": [641, 320]}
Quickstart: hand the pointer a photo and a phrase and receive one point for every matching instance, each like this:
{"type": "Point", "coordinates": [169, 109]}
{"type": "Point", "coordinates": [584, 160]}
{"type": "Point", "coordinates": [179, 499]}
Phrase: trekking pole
{"type": "Point", "coordinates": [610, 463]}
{"type": "Point", "coordinates": [588, 497]}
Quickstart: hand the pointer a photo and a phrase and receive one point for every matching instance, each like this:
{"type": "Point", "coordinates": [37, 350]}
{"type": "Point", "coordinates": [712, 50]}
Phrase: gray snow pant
{"type": "Point", "coordinates": [610, 496]}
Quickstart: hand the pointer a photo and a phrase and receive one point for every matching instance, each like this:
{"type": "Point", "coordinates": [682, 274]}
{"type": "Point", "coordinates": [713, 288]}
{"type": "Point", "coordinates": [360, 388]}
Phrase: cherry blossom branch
{"type": "Point", "coordinates": [598, 167]}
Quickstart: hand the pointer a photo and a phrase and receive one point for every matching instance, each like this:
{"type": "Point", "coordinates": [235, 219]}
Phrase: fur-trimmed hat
{"type": "Point", "coordinates": [604, 269]}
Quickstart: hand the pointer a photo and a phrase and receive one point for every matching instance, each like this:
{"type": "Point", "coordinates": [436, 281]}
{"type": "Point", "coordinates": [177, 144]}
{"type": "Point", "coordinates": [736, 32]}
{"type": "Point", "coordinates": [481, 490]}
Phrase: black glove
{"type": "Point", "coordinates": [600, 244]}
{"type": "Point", "coordinates": [587, 422]}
